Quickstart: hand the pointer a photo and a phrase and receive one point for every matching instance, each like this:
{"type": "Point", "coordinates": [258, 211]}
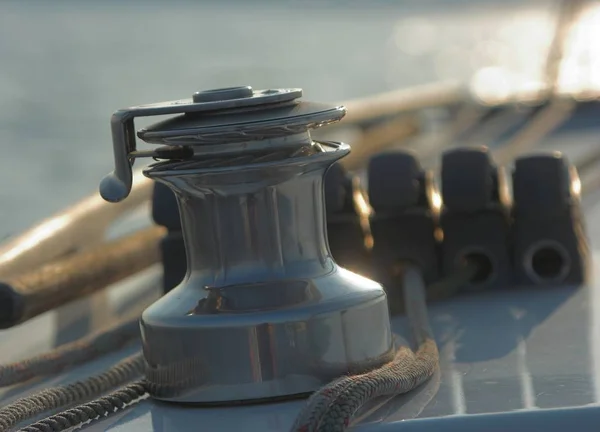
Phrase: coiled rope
{"type": "Point", "coordinates": [333, 407]}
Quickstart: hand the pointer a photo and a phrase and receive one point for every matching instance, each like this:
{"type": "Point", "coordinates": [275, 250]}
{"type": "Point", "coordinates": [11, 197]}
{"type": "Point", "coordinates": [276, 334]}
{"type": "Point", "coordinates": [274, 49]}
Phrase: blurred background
{"type": "Point", "coordinates": [65, 66]}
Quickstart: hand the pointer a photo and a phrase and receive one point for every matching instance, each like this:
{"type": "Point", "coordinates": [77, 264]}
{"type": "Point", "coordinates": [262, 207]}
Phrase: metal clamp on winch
{"type": "Point", "coordinates": [264, 311]}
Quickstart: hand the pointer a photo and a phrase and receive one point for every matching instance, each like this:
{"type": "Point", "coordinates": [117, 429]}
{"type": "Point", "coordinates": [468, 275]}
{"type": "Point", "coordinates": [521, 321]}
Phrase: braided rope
{"type": "Point", "coordinates": [332, 408]}
{"type": "Point", "coordinates": [71, 354]}
{"type": "Point", "coordinates": [402, 375]}
{"type": "Point", "coordinates": [67, 395]}
{"type": "Point", "coordinates": [92, 411]}
{"type": "Point", "coordinates": [319, 402]}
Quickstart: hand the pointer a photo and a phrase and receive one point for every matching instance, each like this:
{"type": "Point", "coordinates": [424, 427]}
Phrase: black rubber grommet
{"type": "Point", "coordinates": [541, 182]}
{"type": "Point", "coordinates": [394, 181]}
{"type": "Point", "coordinates": [467, 179]}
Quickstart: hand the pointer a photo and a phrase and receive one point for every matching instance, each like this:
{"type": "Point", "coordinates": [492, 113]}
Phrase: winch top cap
{"type": "Point", "coordinates": [220, 115]}
{"type": "Point", "coordinates": [216, 99]}
{"type": "Point", "coordinates": [244, 125]}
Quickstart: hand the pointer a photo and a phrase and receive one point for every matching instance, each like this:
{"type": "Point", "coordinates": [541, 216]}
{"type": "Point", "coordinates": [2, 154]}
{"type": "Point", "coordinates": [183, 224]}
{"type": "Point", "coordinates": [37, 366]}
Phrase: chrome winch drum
{"type": "Point", "coordinates": [264, 310]}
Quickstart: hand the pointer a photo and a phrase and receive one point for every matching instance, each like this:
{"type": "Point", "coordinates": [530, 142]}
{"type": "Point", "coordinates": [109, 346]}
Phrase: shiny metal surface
{"type": "Point", "coordinates": [262, 289]}
{"type": "Point", "coordinates": [268, 122]}
{"type": "Point", "coordinates": [200, 128]}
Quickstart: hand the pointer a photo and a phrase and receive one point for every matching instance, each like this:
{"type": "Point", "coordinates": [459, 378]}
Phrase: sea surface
{"type": "Point", "coordinates": [65, 66]}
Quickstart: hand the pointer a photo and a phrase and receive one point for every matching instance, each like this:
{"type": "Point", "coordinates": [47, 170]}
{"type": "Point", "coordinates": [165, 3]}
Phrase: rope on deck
{"type": "Point", "coordinates": [333, 407]}
{"type": "Point", "coordinates": [93, 410]}
{"type": "Point", "coordinates": [70, 394]}
{"type": "Point", "coordinates": [71, 354]}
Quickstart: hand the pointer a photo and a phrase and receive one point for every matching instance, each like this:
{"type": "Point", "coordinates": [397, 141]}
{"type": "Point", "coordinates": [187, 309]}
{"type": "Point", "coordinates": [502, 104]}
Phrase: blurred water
{"type": "Point", "coordinates": [65, 66]}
